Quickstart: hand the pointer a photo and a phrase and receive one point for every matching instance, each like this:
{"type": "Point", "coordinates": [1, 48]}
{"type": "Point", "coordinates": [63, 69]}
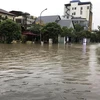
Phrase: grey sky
{"type": "Point", "coordinates": [55, 7]}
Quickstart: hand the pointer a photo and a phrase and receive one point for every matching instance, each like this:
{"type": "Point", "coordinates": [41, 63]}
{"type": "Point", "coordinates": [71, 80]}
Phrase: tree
{"type": "Point", "coordinates": [9, 31]}
{"type": "Point", "coordinates": [99, 28]}
{"type": "Point", "coordinates": [85, 34]}
{"type": "Point", "coordinates": [51, 30]}
{"type": "Point", "coordinates": [93, 37]}
{"type": "Point", "coordinates": [78, 32]}
{"type": "Point", "coordinates": [69, 32]}
{"type": "Point", "coordinates": [78, 27]}
{"type": "Point", "coordinates": [35, 28]}
{"type": "Point", "coordinates": [98, 35]}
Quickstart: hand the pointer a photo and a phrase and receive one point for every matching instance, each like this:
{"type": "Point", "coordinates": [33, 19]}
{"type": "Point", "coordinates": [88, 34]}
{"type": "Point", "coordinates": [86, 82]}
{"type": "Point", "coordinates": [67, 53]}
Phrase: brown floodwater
{"type": "Point", "coordinates": [57, 72]}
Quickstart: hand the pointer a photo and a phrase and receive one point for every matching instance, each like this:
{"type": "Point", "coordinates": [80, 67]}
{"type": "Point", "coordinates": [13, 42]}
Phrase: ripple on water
{"type": "Point", "coordinates": [33, 72]}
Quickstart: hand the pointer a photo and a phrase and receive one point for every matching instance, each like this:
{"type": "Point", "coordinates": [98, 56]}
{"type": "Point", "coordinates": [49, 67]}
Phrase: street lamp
{"type": "Point", "coordinates": [40, 21]}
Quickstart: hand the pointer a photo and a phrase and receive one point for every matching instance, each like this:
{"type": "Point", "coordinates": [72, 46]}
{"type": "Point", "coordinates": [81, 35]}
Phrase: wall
{"type": "Point", "coordinates": [9, 16]}
{"type": "Point", "coordinates": [85, 11]}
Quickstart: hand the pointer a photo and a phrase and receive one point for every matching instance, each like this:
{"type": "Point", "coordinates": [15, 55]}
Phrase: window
{"type": "Point", "coordinates": [81, 8]}
{"type": "Point", "coordinates": [81, 12]}
{"type": "Point", "coordinates": [74, 13]}
{"type": "Point", "coordinates": [74, 8]}
{"type": "Point", "coordinates": [87, 7]}
{"type": "Point", "coordinates": [67, 17]}
{"type": "Point", "coordinates": [18, 20]}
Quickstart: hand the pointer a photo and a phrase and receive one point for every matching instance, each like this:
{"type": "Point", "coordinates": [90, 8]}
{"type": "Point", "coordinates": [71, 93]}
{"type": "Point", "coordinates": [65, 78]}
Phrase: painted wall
{"type": "Point", "coordinates": [85, 11]}
{"type": "Point", "coordinates": [29, 20]}
{"type": "Point", "coordinates": [9, 16]}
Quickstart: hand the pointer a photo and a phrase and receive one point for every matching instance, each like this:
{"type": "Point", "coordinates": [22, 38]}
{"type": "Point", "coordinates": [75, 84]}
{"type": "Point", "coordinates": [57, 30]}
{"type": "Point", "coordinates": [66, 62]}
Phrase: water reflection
{"type": "Point", "coordinates": [84, 49]}
{"type": "Point", "coordinates": [57, 72]}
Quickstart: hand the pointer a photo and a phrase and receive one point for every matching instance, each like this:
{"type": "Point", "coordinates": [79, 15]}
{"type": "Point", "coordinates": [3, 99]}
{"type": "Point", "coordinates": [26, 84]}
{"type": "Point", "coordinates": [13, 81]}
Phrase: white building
{"type": "Point", "coordinates": [78, 9]}
{"type": "Point", "coordinates": [22, 20]}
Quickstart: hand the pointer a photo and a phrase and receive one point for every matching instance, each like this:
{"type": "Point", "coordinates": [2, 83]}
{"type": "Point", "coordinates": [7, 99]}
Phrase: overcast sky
{"type": "Point", "coordinates": [55, 7]}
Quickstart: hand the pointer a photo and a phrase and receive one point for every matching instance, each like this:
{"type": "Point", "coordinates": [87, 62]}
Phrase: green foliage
{"type": "Point", "coordinates": [51, 30]}
{"type": "Point", "coordinates": [94, 37]}
{"type": "Point", "coordinates": [98, 35]}
{"type": "Point", "coordinates": [23, 38]}
{"type": "Point", "coordinates": [68, 32]}
{"type": "Point", "coordinates": [78, 28]}
{"type": "Point", "coordinates": [99, 28]}
{"type": "Point", "coordinates": [35, 28]}
{"type": "Point", "coordinates": [85, 34]}
{"type": "Point", "coordinates": [10, 30]}
{"type": "Point", "coordinates": [88, 34]}
{"type": "Point", "coordinates": [80, 33]}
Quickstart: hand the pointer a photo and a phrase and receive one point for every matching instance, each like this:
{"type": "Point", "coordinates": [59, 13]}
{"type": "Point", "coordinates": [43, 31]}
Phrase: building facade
{"type": "Point", "coordinates": [82, 21]}
{"type": "Point", "coordinates": [79, 9]}
{"type": "Point", "coordinates": [25, 19]}
{"type": "Point", "coordinates": [6, 15]}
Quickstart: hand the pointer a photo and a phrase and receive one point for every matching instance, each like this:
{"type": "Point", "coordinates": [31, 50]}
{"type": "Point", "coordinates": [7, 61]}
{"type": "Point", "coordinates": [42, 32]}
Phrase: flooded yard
{"type": "Point", "coordinates": [57, 72]}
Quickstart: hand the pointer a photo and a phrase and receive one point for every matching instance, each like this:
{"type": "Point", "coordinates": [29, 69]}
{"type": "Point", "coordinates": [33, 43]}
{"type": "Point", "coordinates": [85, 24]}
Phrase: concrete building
{"type": "Point", "coordinates": [82, 21]}
{"type": "Point", "coordinates": [79, 9]}
{"type": "Point", "coordinates": [22, 20]}
{"type": "Point", "coordinates": [6, 15]}
{"type": "Point", "coordinates": [25, 19]}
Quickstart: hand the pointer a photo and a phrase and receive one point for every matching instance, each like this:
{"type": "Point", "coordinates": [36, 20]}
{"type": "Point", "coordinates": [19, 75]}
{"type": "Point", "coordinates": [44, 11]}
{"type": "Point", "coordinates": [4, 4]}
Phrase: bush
{"type": "Point", "coordinates": [9, 31]}
{"type": "Point", "coordinates": [23, 38]}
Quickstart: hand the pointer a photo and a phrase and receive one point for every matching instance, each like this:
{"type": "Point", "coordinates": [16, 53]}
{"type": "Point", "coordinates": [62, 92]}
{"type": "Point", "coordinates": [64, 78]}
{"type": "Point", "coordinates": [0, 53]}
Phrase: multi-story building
{"type": "Point", "coordinates": [78, 9]}
{"type": "Point", "coordinates": [6, 15]}
{"type": "Point", "coordinates": [25, 19]}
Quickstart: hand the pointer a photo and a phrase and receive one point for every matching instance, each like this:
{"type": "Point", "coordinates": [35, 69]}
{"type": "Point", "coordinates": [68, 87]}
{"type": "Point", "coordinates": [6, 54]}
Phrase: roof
{"type": "Point", "coordinates": [29, 33]}
{"type": "Point", "coordinates": [48, 19]}
{"type": "Point", "coordinates": [65, 23]}
{"type": "Point", "coordinates": [19, 13]}
{"type": "Point", "coordinates": [67, 5]}
{"type": "Point", "coordinates": [84, 3]}
{"type": "Point", "coordinates": [6, 12]}
{"type": "Point", "coordinates": [79, 3]}
{"type": "Point", "coordinates": [78, 18]}
{"type": "Point", "coordinates": [74, 1]}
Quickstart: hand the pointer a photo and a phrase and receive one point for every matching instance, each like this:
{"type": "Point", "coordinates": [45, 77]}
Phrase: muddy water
{"type": "Point", "coordinates": [58, 72]}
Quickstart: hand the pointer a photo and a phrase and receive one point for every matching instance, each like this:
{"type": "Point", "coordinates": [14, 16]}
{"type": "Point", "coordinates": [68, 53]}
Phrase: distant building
{"type": "Point", "coordinates": [6, 15]}
{"type": "Point", "coordinates": [23, 18]}
{"type": "Point", "coordinates": [48, 19]}
{"type": "Point", "coordinates": [66, 23]}
{"type": "Point", "coordinates": [79, 9]}
{"type": "Point", "coordinates": [57, 19]}
{"type": "Point", "coordinates": [81, 21]}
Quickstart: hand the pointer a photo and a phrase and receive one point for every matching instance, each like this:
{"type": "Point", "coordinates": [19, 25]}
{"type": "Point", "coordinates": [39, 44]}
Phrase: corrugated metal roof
{"type": "Point", "coordinates": [66, 23]}
{"type": "Point", "coordinates": [48, 19]}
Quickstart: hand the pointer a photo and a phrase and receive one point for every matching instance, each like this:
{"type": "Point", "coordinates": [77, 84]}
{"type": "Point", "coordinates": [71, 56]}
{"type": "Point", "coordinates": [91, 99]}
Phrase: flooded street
{"type": "Point", "coordinates": [58, 72]}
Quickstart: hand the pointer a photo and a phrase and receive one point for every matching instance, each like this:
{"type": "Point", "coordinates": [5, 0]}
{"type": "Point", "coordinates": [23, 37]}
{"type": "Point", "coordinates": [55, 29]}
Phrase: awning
{"type": "Point", "coordinates": [29, 33]}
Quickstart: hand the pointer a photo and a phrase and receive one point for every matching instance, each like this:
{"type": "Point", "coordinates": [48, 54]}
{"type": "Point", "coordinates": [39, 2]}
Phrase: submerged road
{"type": "Point", "coordinates": [58, 72]}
